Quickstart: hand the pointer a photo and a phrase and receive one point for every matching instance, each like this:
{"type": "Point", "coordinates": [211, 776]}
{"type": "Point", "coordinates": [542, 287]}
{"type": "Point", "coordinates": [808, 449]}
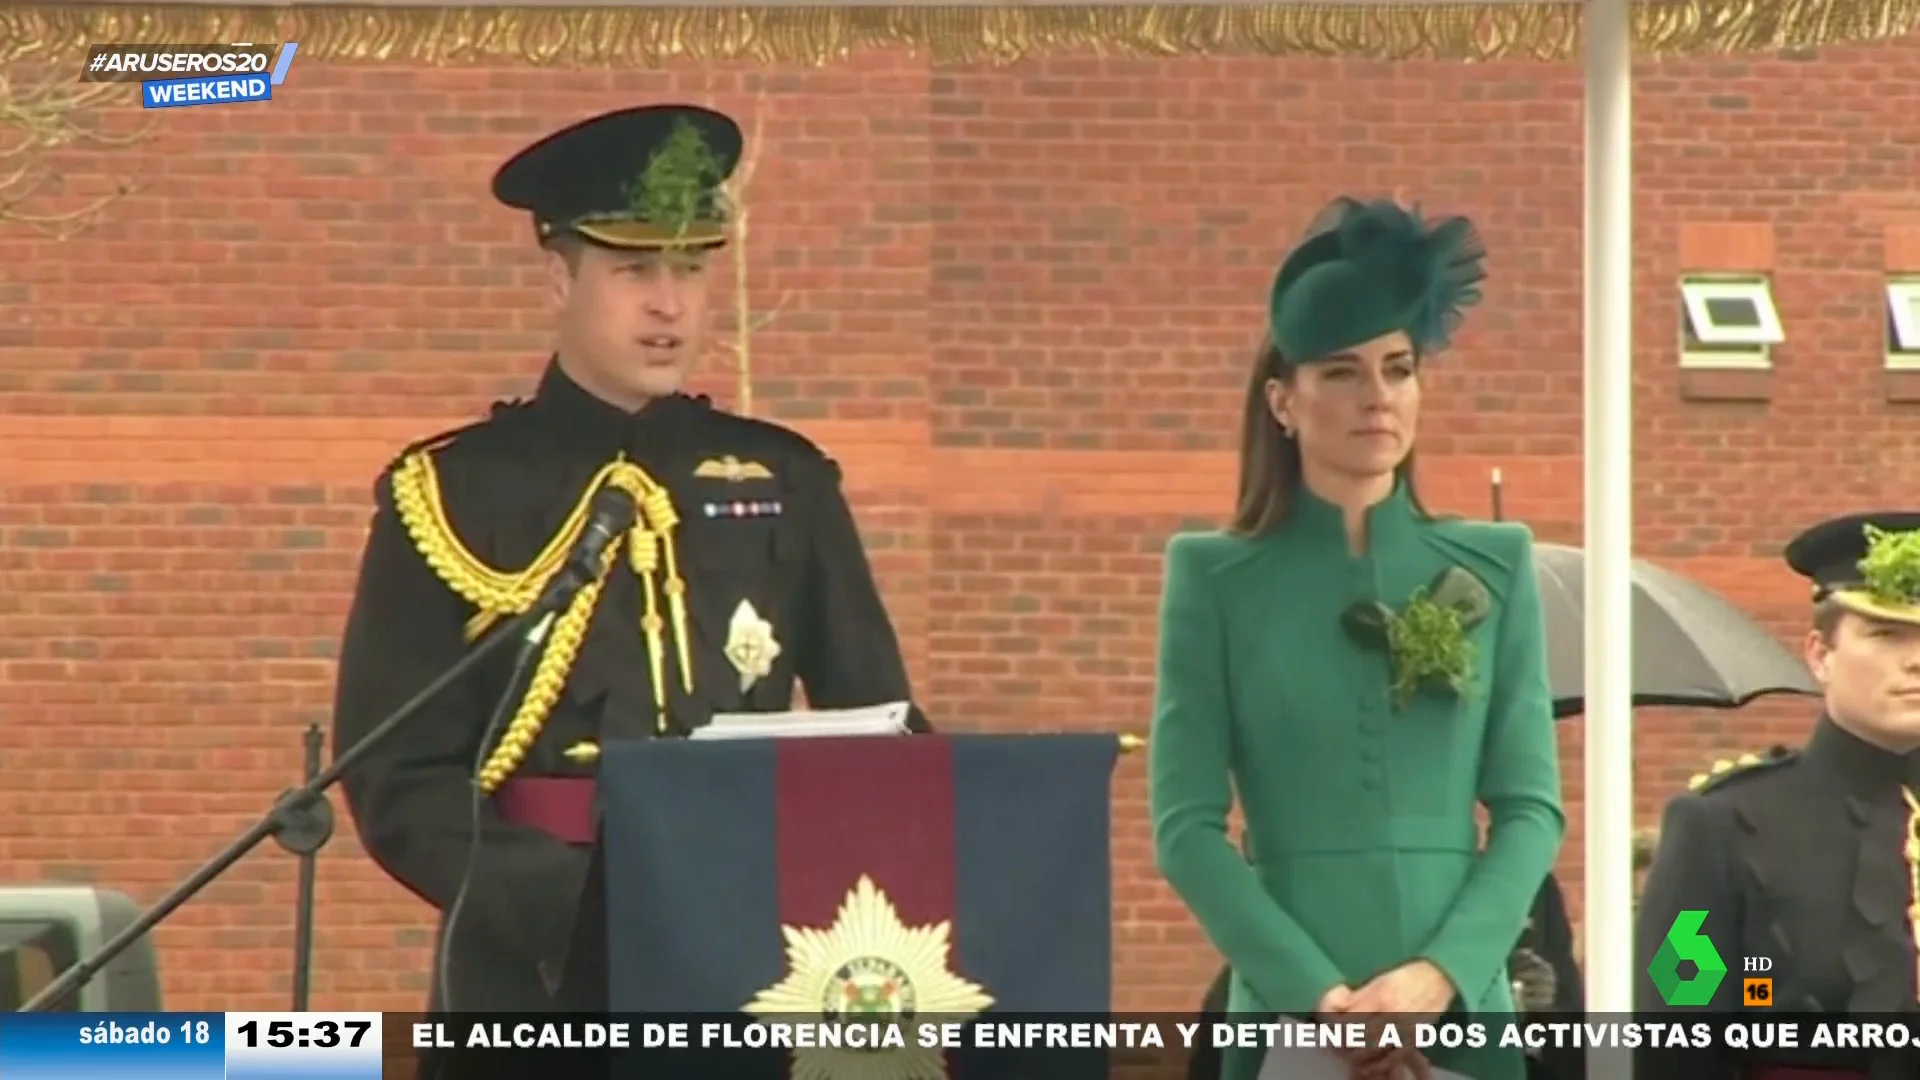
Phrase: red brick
{"type": "Point", "coordinates": [1730, 246]}
{"type": "Point", "coordinates": [1903, 249]}
{"type": "Point", "coordinates": [1022, 304]}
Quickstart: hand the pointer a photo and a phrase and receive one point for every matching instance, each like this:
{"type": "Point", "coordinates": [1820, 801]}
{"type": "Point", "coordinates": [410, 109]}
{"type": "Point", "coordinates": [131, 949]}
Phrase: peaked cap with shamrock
{"type": "Point", "coordinates": [641, 178]}
{"type": "Point", "coordinates": [1867, 563]}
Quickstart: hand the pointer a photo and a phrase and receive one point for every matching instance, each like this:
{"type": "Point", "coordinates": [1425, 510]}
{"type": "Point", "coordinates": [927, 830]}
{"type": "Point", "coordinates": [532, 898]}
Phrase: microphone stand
{"type": "Point", "coordinates": [305, 839]}
{"type": "Point", "coordinates": [295, 814]}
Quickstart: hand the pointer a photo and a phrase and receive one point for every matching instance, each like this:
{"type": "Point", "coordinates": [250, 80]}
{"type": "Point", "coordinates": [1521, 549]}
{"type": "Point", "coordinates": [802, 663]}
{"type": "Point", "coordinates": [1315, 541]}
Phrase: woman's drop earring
{"type": "Point", "coordinates": [1286, 431]}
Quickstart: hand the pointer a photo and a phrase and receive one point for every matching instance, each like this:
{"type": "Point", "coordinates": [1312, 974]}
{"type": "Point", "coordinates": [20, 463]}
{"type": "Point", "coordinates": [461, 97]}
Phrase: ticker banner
{"type": "Point", "coordinates": [737, 1046]}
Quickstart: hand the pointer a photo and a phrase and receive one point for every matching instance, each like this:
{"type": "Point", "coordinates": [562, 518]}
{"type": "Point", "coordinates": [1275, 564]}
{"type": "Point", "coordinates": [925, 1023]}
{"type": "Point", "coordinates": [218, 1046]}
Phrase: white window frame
{"type": "Point", "coordinates": [1903, 317]}
{"type": "Point", "coordinates": [1697, 292]}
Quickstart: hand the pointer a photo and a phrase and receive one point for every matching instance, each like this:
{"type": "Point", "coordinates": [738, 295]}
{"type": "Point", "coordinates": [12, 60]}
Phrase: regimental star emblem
{"type": "Point", "coordinates": [868, 968]}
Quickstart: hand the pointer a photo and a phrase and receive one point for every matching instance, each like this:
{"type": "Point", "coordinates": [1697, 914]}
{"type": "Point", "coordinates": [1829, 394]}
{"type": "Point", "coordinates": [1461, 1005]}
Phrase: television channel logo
{"type": "Point", "coordinates": [192, 74]}
{"type": "Point", "coordinates": [1684, 941]}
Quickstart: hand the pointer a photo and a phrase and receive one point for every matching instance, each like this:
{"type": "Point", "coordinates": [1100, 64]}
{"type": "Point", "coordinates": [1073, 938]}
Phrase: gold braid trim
{"type": "Point", "coordinates": [660, 514]}
{"type": "Point", "coordinates": [1913, 876]}
{"type": "Point", "coordinates": [630, 37]}
{"type": "Point", "coordinates": [497, 594]}
{"type": "Point", "coordinates": [494, 593]}
{"type": "Point", "coordinates": [646, 562]}
{"type": "Point", "coordinates": [549, 679]}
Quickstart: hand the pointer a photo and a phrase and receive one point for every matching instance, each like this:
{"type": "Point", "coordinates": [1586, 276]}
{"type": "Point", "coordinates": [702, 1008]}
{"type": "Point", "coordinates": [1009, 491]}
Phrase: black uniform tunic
{"type": "Point", "coordinates": [1545, 953]}
{"type": "Point", "coordinates": [1802, 859]}
{"type": "Point", "coordinates": [778, 535]}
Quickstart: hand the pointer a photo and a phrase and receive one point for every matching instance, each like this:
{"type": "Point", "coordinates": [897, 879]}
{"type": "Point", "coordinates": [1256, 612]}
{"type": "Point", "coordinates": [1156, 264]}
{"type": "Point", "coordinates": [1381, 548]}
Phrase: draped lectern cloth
{"type": "Point", "coordinates": [802, 876]}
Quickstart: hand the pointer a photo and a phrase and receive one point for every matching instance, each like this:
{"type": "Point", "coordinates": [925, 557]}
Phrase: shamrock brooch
{"type": "Point", "coordinates": [1426, 640]}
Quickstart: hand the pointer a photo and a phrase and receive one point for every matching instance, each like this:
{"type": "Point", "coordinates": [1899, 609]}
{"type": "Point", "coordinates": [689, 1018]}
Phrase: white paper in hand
{"type": "Point", "coordinates": [1313, 1063]}
{"type": "Point", "coordinates": [888, 719]}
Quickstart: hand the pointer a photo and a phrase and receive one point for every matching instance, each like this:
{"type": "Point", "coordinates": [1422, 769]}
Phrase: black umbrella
{"type": "Point", "coordinates": [1691, 646]}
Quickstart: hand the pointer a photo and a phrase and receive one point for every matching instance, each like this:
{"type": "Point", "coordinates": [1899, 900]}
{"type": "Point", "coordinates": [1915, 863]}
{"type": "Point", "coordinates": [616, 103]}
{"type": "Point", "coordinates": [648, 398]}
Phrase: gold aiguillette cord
{"type": "Point", "coordinates": [654, 554]}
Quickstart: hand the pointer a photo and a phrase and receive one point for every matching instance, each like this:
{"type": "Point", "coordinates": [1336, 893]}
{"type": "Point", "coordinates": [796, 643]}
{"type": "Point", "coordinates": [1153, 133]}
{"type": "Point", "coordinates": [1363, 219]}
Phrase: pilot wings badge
{"type": "Point", "coordinates": [869, 970]}
{"type": "Point", "coordinates": [731, 469]}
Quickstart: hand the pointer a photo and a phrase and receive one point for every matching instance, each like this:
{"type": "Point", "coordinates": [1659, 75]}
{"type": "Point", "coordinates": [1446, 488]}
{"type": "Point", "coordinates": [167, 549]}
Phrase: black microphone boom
{"type": "Point", "coordinates": [292, 812]}
{"type": "Point", "coordinates": [611, 513]}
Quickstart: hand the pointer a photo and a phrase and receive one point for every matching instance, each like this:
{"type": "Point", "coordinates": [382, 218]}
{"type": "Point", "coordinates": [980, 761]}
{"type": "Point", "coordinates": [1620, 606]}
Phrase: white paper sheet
{"type": "Point", "coordinates": [889, 719]}
{"type": "Point", "coordinates": [1312, 1063]}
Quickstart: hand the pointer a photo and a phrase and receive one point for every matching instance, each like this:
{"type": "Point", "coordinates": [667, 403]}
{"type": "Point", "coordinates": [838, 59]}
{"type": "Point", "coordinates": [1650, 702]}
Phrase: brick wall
{"type": "Point", "coordinates": [1019, 306]}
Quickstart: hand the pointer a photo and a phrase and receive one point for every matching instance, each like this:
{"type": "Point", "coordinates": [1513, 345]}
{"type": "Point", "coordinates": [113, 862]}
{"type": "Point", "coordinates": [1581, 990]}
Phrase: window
{"type": "Point", "coordinates": [1731, 312]}
{"type": "Point", "coordinates": [1728, 321]}
{"type": "Point", "coordinates": [1903, 323]}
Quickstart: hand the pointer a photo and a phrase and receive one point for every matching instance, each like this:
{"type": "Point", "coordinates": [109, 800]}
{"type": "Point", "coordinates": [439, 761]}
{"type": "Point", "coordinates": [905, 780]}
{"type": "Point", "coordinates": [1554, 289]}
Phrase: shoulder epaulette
{"type": "Point", "coordinates": [443, 438]}
{"type": "Point", "coordinates": [1746, 765]}
{"type": "Point", "coordinates": [784, 438]}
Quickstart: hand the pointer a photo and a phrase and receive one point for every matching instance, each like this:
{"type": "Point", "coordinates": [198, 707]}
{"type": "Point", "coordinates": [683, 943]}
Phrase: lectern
{"type": "Point", "coordinates": [954, 876]}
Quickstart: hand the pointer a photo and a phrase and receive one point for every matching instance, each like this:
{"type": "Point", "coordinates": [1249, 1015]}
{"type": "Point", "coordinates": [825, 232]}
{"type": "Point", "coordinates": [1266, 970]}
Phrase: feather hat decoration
{"type": "Point", "coordinates": [1366, 269]}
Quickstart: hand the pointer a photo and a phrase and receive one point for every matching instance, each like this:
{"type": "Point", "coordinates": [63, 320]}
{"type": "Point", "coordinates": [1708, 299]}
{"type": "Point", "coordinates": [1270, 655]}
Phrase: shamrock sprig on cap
{"type": "Point", "coordinates": [678, 182]}
{"type": "Point", "coordinates": [1891, 569]}
{"type": "Point", "coordinates": [1426, 640]}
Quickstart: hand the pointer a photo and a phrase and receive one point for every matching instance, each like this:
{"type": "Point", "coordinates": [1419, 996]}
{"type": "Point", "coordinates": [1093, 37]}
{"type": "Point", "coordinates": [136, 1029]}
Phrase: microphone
{"type": "Point", "coordinates": [612, 512]}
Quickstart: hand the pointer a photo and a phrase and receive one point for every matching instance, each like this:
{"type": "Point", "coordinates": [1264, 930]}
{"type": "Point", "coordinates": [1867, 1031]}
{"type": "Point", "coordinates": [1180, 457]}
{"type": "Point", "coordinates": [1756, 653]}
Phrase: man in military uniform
{"type": "Point", "coordinates": [1808, 859]}
{"type": "Point", "coordinates": [1546, 981]}
{"type": "Point", "coordinates": [743, 573]}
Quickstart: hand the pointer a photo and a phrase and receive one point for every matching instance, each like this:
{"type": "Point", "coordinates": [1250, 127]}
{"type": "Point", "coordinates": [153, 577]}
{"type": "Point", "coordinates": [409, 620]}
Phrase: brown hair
{"type": "Point", "coordinates": [1827, 613]}
{"type": "Point", "coordinates": [568, 246]}
{"type": "Point", "coordinates": [1270, 465]}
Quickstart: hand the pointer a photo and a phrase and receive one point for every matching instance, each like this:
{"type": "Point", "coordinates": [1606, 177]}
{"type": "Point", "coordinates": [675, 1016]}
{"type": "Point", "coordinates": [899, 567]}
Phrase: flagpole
{"type": "Point", "coordinates": [1608, 457]}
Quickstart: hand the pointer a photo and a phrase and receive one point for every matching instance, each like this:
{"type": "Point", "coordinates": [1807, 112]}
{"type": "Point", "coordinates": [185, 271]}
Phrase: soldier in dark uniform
{"type": "Point", "coordinates": [743, 574]}
{"type": "Point", "coordinates": [1808, 859]}
{"type": "Point", "coordinates": [1546, 981]}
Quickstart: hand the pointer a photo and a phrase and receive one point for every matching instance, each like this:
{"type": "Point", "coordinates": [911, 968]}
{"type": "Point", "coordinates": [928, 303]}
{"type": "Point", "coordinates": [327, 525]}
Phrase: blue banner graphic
{"type": "Point", "coordinates": [107, 1046]}
{"type": "Point", "coordinates": [191, 1046]}
{"type": "Point", "coordinates": [206, 90]}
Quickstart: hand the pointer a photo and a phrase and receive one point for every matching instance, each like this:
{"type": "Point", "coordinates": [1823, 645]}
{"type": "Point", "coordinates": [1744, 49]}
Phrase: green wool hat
{"type": "Point", "coordinates": [1367, 269]}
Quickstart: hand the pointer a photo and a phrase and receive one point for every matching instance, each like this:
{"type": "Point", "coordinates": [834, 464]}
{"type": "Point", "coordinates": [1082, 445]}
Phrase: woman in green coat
{"type": "Point", "coordinates": [1359, 672]}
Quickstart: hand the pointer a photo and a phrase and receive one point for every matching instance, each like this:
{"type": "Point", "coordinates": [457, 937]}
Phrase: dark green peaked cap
{"type": "Point", "coordinates": [1368, 269]}
{"type": "Point", "coordinates": [647, 177]}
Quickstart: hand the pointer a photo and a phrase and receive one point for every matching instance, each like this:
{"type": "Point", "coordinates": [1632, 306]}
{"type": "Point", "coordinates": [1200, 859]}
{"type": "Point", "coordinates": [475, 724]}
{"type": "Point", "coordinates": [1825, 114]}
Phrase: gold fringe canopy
{"type": "Point", "coordinates": [657, 36]}
{"type": "Point", "coordinates": [497, 594]}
